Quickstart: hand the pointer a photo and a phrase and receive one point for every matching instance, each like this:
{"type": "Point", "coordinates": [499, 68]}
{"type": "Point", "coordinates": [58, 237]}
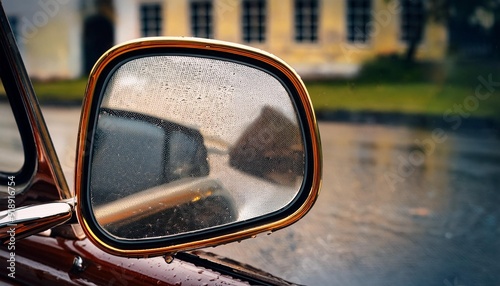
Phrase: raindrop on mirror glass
{"type": "Point", "coordinates": [168, 259]}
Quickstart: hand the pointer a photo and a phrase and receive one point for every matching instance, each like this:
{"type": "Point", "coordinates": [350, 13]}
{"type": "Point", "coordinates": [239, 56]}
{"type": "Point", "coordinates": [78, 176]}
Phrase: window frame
{"type": "Point", "coordinates": [254, 26]}
{"type": "Point", "coordinates": [201, 24]}
{"type": "Point", "coordinates": [306, 32]}
{"type": "Point", "coordinates": [360, 18]}
{"type": "Point", "coordinates": [41, 177]}
{"type": "Point", "coordinates": [150, 27]}
{"type": "Point", "coordinates": [10, 74]}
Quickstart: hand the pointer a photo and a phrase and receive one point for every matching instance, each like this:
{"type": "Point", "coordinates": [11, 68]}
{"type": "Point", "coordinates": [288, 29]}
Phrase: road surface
{"type": "Point", "coordinates": [398, 206]}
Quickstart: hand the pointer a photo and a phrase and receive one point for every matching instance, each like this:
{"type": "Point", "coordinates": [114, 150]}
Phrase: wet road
{"type": "Point", "coordinates": [398, 206]}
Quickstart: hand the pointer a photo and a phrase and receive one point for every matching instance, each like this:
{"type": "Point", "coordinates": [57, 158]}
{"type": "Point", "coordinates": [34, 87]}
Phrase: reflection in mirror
{"type": "Point", "coordinates": [188, 143]}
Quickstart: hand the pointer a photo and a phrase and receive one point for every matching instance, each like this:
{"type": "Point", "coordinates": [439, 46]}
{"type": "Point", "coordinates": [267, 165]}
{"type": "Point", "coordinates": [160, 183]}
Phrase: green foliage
{"type": "Point", "coordinates": [395, 69]}
{"type": "Point", "coordinates": [390, 84]}
{"type": "Point", "coordinates": [72, 90]}
{"type": "Point", "coordinates": [57, 90]}
{"type": "Point", "coordinates": [414, 98]}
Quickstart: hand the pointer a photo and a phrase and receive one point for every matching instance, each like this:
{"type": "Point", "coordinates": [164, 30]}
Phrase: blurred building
{"type": "Point", "coordinates": [48, 34]}
{"type": "Point", "coordinates": [320, 38]}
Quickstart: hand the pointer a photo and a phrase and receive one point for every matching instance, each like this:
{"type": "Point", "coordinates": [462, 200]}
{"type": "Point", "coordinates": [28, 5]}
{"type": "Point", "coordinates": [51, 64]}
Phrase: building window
{"type": "Point", "coordinates": [358, 16]}
{"type": "Point", "coordinates": [254, 20]}
{"type": "Point", "coordinates": [202, 19]}
{"type": "Point", "coordinates": [412, 20]}
{"type": "Point", "coordinates": [151, 19]}
{"type": "Point", "coordinates": [306, 20]}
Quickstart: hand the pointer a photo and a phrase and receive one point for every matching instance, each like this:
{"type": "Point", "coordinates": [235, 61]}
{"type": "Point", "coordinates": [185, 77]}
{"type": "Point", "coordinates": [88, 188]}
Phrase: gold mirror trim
{"type": "Point", "coordinates": [201, 45]}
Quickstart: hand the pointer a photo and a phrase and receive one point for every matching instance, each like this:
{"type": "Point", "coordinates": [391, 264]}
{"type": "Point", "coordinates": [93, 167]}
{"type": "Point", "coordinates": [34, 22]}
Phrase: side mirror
{"type": "Point", "coordinates": [187, 143]}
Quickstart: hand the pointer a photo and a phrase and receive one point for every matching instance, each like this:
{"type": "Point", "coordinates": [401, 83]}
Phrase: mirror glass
{"type": "Point", "coordinates": [185, 143]}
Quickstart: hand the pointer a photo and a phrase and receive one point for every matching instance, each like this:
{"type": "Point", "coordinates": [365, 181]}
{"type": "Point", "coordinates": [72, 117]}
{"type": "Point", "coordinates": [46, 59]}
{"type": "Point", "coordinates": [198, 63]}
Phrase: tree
{"type": "Point", "coordinates": [430, 10]}
{"type": "Point", "coordinates": [462, 18]}
{"type": "Point", "coordinates": [475, 23]}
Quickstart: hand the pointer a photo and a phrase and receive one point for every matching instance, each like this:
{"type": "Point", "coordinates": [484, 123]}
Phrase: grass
{"type": "Point", "coordinates": [392, 85]}
{"type": "Point", "coordinates": [416, 98]}
{"type": "Point", "coordinates": [57, 91]}
{"type": "Point", "coordinates": [61, 90]}
{"type": "Point", "coordinates": [385, 85]}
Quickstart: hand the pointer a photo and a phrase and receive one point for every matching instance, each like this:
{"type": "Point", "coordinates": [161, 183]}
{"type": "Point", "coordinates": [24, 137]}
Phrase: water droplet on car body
{"type": "Point", "coordinates": [168, 259]}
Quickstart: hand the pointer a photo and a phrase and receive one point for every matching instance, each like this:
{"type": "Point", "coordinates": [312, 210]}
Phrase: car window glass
{"type": "Point", "coordinates": [11, 146]}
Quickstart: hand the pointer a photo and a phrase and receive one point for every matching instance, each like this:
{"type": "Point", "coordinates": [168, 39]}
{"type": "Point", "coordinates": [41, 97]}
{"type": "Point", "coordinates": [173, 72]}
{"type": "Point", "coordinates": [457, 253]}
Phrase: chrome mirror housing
{"type": "Point", "coordinates": [186, 143]}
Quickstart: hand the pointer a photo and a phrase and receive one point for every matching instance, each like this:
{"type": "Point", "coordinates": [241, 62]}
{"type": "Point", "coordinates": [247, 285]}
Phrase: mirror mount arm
{"type": "Point", "coordinates": [25, 221]}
